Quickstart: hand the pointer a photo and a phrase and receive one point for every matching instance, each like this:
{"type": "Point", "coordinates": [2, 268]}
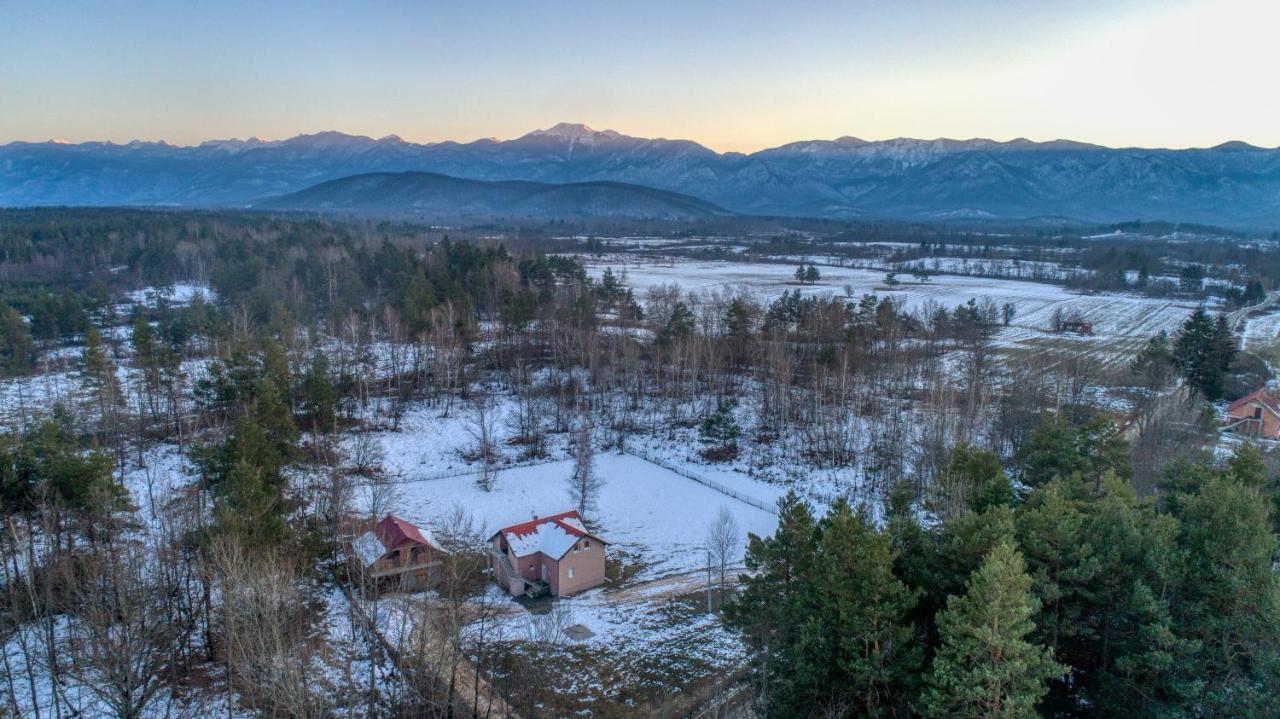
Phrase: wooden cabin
{"type": "Point", "coordinates": [397, 552]}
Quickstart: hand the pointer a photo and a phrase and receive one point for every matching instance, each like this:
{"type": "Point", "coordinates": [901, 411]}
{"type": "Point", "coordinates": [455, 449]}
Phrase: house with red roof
{"type": "Point", "coordinates": [400, 551]}
{"type": "Point", "coordinates": [555, 554]}
{"type": "Point", "coordinates": [1256, 414]}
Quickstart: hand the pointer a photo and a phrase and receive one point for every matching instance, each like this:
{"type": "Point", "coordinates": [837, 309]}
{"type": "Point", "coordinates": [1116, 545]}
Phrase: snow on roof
{"type": "Point", "coordinates": [553, 536]}
{"type": "Point", "coordinates": [368, 548]}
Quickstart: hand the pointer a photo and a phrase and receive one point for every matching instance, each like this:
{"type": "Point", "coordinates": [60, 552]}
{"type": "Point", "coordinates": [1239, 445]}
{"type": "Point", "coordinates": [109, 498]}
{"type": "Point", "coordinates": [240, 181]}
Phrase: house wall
{"type": "Point", "coordinates": [587, 560]}
{"type": "Point", "coordinates": [588, 565]}
{"type": "Point", "coordinates": [1270, 422]}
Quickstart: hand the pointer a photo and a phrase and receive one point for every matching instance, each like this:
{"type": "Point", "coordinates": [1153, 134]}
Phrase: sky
{"type": "Point", "coordinates": [733, 75]}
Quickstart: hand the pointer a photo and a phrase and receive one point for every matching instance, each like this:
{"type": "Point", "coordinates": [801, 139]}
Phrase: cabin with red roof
{"type": "Point", "coordinates": [557, 555]}
{"type": "Point", "coordinates": [1256, 414]}
{"type": "Point", "coordinates": [396, 550]}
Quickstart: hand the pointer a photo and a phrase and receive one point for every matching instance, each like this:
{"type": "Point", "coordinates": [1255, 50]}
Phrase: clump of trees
{"type": "Point", "coordinates": [1080, 599]}
{"type": "Point", "coordinates": [1202, 351]}
{"type": "Point", "coordinates": [807, 274]}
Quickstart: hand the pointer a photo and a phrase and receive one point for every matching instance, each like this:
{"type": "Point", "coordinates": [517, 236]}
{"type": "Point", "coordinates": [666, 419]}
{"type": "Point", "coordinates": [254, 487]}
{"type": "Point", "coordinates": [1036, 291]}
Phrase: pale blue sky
{"type": "Point", "coordinates": [732, 75]}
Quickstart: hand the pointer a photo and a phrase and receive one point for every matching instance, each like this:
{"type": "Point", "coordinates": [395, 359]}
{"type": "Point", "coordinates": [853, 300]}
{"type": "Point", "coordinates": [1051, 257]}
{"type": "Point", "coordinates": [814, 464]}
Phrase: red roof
{"type": "Point", "coordinates": [394, 532]}
{"type": "Point", "coordinates": [573, 526]}
{"type": "Point", "coordinates": [1262, 397]}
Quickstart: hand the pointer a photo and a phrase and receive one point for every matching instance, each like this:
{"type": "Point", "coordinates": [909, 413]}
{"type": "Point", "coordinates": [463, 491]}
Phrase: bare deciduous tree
{"type": "Point", "coordinates": [584, 483]}
{"type": "Point", "coordinates": [724, 541]}
{"type": "Point", "coordinates": [482, 425]}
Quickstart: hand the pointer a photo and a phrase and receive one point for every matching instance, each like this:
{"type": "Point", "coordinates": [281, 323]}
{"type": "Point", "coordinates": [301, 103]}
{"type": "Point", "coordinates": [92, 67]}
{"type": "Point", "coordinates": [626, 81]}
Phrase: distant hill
{"type": "Point", "coordinates": [1232, 184]}
{"type": "Point", "coordinates": [435, 195]}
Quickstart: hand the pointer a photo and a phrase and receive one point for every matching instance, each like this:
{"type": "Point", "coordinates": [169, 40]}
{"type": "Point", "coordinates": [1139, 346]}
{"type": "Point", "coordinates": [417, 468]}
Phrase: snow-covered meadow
{"type": "Point", "coordinates": [1122, 321]}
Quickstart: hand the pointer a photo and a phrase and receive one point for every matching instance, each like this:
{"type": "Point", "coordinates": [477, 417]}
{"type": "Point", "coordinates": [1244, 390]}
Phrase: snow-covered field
{"type": "Point", "coordinates": [1122, 322]}
{"type": "Point", "coordinates": [1261, 336]}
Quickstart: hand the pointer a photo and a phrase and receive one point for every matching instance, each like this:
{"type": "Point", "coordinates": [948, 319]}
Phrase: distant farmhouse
{"type": "Point", "coordinates": [397, 551]}
{"type": "Point", "coordinates": [553, 555]}
{"type": "Point", "coordinates": [1256, 414]}
{"type": "Point", "coordinates": [1079, 327]}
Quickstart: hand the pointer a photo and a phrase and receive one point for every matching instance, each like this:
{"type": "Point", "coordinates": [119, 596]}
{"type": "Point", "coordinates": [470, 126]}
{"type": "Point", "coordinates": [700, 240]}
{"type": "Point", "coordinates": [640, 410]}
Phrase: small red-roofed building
{"type": "Point", "coordinates": [399, 551]}
{"type": "Point", "coordinates": [556, 553]}
{"type": "Point", "coordinates": [1256, 414]}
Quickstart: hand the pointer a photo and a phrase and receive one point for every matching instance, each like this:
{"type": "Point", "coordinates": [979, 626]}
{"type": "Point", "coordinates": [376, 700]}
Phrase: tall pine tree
{"type": "Point", "coordinates": [986, 667]}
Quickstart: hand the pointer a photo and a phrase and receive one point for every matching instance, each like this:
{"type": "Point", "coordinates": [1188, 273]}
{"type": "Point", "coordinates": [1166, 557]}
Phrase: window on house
{"type": "Point", "coordinates": [586, 543]}
{"type": "Point", "coordinates": [571, 572]}
{"type": "Point", "coordinates": [1257, 413]}
{"type": "Point", "coordinates": [544, 572]}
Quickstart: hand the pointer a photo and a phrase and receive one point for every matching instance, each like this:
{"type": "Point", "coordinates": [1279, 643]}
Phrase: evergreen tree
{"type": "Point", "coordinates": [1103, 564]}
{"type": "Point", "coordinates": [17, 351]}
{"type": "Point", "coordinates": [1127, 656]}
{"type": "Point", "coordinates": [320, 400]}
{"type": "Point", "coordinates": [768, 609]}
{"type": "Point", "coordinates": [1228, 600]}
{"type": "Point", "coordinates": [48, 463]}
{"type": "Point", "coordinates": [249, 484]}
{"type": "Point", "coordinates": [1204, 349]}
{"type": "Point", "coordinates": [679, 325]}
{"type": "Point", "coordinates": [986, 668]}
{"type": "Point", "coordinates": [974, 480]}
{"type": "Point", "coordinates": [964, 542]}
{"type": "Point", "coordinates": [1058, 450]}
{"type": "Point", "coordinates": [1155, 364]}
{"type": "Point", "coordinates": [855, 652]}
{"type": "Point", "coordinates": [1061, 560]}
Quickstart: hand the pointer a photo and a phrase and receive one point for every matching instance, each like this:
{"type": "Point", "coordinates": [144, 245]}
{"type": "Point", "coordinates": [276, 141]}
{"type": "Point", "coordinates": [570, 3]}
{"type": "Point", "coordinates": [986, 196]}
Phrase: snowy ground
{"type": "Point", "coordinates": [178, 294]}
{"type": "Point", "coordinates": [1122, 322]}
{"type": "Point", "coordinates": [1261, 336]}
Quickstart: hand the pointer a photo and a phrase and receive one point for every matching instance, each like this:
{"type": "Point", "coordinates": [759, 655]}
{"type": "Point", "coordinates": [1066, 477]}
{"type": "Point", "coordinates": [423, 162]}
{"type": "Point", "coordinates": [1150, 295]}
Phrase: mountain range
{"type": "Point", "coordinates": [1231, 184]}
{"type": "Point", "coordinates": [433, 195]}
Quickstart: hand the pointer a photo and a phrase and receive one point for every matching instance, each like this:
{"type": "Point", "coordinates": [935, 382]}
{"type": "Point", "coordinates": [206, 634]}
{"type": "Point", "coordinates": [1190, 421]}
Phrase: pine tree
{"type": "Point", "coordinates": [985, 667]}
{"type": "Point", "coordinates": [1129, 658]}
{"type": "Point", "coordinates": [1060, 559]}
{"type": "Point", "coordinates": [1228, 602]}
{"type": "Point", "coordinates": [320, 400]}
{"type": "Point", "coordinates": [767, 610]}
{"type": "Point", "coordinates": [16, 348]}
{"type": "Point", "coordinates": [855, 652]}
{"type": "Point", "coordinates": [974, 480]}
{"type": "Point", "coordinates": [248, 483]}
{"type": "Point", "coordinates": [964, 542]}
{"type": "Point", "coordinates": [1155, 363]}
{"type": "Point", "coordinates": [1204, 349]}
{"type": "Point", "coordinates": [1058, 450]}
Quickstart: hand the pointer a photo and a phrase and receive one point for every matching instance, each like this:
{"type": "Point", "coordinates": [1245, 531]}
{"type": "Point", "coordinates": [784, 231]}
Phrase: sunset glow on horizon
{"type": "Point", "coordinates": [734, 77]}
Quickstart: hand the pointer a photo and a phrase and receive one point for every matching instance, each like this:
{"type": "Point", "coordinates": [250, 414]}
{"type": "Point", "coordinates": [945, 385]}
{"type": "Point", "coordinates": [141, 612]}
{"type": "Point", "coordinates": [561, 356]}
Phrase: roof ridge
{"type": "Point", "coordinates": [530, 524]}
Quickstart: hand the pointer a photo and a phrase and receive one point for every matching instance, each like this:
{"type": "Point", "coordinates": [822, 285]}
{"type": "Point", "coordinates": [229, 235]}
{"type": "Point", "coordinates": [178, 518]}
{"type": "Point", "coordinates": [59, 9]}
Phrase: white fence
{"type": "Point", "coordinates": [717, 486]}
